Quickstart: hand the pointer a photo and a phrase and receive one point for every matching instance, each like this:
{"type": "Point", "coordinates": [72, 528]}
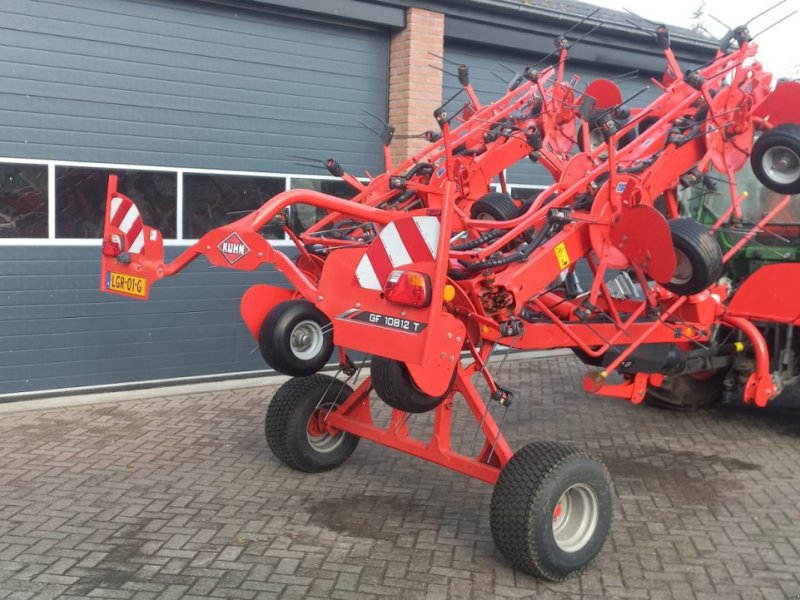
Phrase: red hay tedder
{"type": "Point", "coordinates": [426, 265]}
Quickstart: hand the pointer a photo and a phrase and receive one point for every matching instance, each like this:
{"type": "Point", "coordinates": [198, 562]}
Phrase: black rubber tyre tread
{"type": "Point", "coordinates": [393, 384]}
{"type": "Point", "coordinates": [273, 338]}
{"type": "Point", "coordinates": [523, 502]}
{"type": "Point", "coordinates": [287, 419]}
{"type": "Point", "coordinates": [787, 134]}
{"type": "Point", "coordinates": [594, 123]}
{"type": "Point", "coordinates": [686, 393]}
{"type": "Point", "coordinates": [497, 205]}
{"type": "Point", "coordinates": [703, 252]}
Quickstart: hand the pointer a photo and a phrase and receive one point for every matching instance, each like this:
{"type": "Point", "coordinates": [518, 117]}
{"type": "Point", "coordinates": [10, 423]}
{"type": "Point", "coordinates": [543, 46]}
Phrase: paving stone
{"type": "Point", "coordinates": [178, 497]}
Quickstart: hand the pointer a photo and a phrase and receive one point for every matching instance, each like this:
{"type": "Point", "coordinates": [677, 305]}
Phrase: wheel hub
{"type": "Point", "coordinates": [320, 434]}
{"type": "Point", "coordinates": [575, 517]}
{"type": "Point", "coordinates": [596, 138]}
{"type": "Point", "coordinates": [782, 164]}
{"type": "Point", "coordinates": [306, 340]}
{"type": "Point", "coordinates": [683, 268]}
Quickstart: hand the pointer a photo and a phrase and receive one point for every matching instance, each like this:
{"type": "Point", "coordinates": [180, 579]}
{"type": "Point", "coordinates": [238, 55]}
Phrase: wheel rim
{"type": "Point", "coordinates": [782, 164]}
{"type": "Point", "coordinates": [683, 268]}
{"type": "Point", "coordinates": [575, 517]}
{"type": "Point", "coordinates": [306, 340]}
{"type": "Point", "coordinates": [321, 436]}
{"type": "Point", "coordinates": [596, 138]}
{"type": "Point", "coordinates": [484, 216]}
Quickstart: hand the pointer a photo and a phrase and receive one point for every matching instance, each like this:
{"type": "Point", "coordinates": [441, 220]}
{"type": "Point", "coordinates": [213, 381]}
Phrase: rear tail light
{"type": "Point", "coordinates": [112, 246]}
{"type": "Point", "coordinates": [409, 288]}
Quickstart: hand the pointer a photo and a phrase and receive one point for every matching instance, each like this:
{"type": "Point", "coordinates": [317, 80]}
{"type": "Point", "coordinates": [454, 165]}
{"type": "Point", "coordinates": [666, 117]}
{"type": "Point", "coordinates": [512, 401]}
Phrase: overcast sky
{"type": "Point", "coordinates": [779, 48]}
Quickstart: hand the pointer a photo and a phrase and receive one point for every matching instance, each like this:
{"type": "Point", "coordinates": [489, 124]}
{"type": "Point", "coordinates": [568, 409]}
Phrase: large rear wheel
{"type": "Point", "coordinates": [297, 428]}
{"type": "Point", "coordinates": [551, 510]}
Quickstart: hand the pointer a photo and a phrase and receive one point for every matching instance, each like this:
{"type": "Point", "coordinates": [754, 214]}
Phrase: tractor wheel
{"type": "Point", "coordinates": [688, 392]}
{"type": "Point", "coordinates": [494, 206]}
{"type": "Point", "coordinates": [699, 257]}
{"type": "Point", "coordinates": [296, 429]}
{"type": "Point", "coordinates": [296, 338]}
{"type": "Point", "coordinates": [393, 384]}
{"type": "Point", "coordinates": [776, 159]}
{"type": "Point", "coordinates": [551, 510]}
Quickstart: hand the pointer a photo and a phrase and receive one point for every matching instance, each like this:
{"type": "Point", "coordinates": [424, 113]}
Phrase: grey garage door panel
{"type": "Point", "coordinates": [112, 371]}
{"type": "Point", "coordinates": [141, 61]}
{"type": "Point", "coordinates": [214, 33]}
{"type": "Point", "coordinates": [24, 318]}
{"type": "Point", "coordinates": [35, 128]}
{"type": "Point", "coordinates": [124, 90]}
{"type": "Point", "coordinates": [187, 85]}
{"type": "Point", "coordinates": [61, 331]}
{"type": "Point", "coordinates": [141, 144]}
{"type": "Point", "coordinates": [225, 128]}
{"type": "Point", "coordinates": [484, 61]}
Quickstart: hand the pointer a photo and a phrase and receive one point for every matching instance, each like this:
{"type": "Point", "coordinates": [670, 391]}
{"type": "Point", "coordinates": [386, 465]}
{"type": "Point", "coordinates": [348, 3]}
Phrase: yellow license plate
{"type": "Point", "coordinates": [126, 284]}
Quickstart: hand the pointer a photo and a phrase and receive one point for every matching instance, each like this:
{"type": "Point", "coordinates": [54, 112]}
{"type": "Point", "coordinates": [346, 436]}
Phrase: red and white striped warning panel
{"type": "Point", "coordinates": [400, 243]}
{"type": "Point", "coordinates": [125, 216]}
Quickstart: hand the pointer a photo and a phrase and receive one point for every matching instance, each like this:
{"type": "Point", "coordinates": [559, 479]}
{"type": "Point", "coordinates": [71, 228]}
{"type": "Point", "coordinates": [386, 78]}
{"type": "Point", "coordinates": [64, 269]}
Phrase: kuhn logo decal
{"type": "Point", "coordinates": [233, 248]}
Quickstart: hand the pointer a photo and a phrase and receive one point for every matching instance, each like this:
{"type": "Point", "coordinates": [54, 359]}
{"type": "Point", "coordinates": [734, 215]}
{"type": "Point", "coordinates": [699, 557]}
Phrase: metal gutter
{"type": "Point", "coordinates": [559, 14]}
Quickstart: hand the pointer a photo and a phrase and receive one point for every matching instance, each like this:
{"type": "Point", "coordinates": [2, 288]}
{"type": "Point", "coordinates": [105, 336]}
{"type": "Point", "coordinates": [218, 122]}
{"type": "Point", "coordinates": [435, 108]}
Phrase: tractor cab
{"type": "Point", "coordinates": [777, 241]}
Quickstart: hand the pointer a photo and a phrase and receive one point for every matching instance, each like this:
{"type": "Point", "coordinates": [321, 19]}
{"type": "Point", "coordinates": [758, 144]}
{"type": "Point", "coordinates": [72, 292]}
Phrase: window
{"type": "Point", "coordinates": [211, 200]}
{"type": "Point", "coordinates": [23, 201]}
{"type": "Point", "coordinates": [81, 199]}
{"type": "Point", "coordinates": [72, 211]}
{"type": "Point", "coordinates": [303, 216]}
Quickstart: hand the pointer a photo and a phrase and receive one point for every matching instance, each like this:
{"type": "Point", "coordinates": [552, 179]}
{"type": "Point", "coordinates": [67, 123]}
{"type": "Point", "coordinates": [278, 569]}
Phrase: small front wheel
{"type": "Point", "coordinates": [296, 338]}
{"type": "Point", "coordinates": [698, 257]}
{"type": "Point", "coordinates": [551, 510]}
{"type": "Point", "coordinates": [297, 428]}
{"type": "Point", "coordinates": [494, 206]}
{"type": "Point", "coordinates": [393, 384]}
{"type": "Point", "coordinates": [776, 159]}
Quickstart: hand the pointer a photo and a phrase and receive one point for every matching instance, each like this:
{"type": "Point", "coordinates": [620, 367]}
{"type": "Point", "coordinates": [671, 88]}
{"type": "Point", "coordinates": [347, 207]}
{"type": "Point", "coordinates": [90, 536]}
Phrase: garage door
{"type": "Point", "coordinates": [161, 93]}
{"type": "Point", "coordinates": [185, 84]}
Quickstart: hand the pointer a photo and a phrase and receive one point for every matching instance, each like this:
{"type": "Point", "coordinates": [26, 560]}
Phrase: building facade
{"type": "Point", "coordinates": [202, 107]}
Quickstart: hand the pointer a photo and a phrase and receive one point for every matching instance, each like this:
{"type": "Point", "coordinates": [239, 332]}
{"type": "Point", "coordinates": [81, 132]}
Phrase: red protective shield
{"type": "Point", "coordinates": [642, 234]}
{"type": "Point", "coordinates": [605, 92]}
{"type": "Point", "coordinates": [781, 105]}
{"type": "Point", "coordinates": [771, 294]}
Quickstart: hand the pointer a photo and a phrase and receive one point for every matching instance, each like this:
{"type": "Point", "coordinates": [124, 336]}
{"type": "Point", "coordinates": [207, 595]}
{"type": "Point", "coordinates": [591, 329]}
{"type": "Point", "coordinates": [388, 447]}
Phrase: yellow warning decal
{"type": "Point", "coordinates": [561, 255]}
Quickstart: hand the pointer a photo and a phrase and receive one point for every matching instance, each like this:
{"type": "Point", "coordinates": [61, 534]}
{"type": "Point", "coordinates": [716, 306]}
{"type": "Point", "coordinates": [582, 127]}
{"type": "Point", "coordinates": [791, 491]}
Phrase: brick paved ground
{"type": "Point", "coordinates": [179, 497]}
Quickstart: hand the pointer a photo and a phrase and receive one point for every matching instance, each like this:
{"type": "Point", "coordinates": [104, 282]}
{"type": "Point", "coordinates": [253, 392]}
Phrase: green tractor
{"type": "Point", "coordinates": [776, 241]}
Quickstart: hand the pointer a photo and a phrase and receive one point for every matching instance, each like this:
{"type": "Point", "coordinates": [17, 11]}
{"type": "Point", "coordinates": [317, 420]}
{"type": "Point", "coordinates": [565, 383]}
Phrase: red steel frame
{"type": "Point", "coordinates": [355, 416]}
{"type": "Point", "coordinates": [622, 203]}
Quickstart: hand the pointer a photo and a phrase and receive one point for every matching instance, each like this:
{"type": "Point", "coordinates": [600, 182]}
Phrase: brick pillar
{"type": "Point", "coordinates": [415, 89]}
